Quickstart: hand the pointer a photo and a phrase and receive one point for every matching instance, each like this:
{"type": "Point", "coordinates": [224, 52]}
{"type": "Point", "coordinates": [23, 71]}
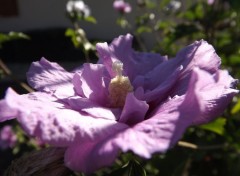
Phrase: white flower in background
{"type": "Point", "coordinates": [173, 5]}
{"type": "Point", "coordinates": [78, 6]}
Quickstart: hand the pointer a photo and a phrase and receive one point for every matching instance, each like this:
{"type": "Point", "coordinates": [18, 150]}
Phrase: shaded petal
{"type": "Point", "coordinates": [155, 134]}
{"type": "Point", "coordinates": [207, 97]}
{"type": "Point", "coordinates": [88, 157]}
{"type": "Point", "coordinates": [134, 110]}
{"type": "Point", "coordinates": [93, 109]}
{"type": "Point", "coordinates": [105, 57]}
{"type": "Point", "coordinates": [93, 83]}
{"type": "Point", "coordinates": [161, 92]}
{"type": "Point", "coordinates": [212, 94]}
{"type": "Point", "coordinates": [199, 54]}
{"type": "Point", "coordinates": [46, 76]}
{"type": "Point", "coordinates": [145, 62]}
{"type": "Point", "coordinates": [121, 49]}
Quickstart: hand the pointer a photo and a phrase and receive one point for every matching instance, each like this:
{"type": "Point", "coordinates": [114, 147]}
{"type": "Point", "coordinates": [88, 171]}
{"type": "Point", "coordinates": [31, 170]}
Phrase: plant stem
{"type": "Point", "coordinates": [196, 147]}
{"type": "Point", "coordinates": [8, 72]}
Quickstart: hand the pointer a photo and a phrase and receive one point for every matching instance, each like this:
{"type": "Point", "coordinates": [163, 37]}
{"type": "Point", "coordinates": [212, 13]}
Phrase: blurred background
{"type": "Point", "coordinates": [64, 32]}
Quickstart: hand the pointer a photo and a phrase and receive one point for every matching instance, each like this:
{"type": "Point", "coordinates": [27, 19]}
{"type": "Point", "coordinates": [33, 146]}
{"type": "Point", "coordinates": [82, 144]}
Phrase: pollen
{"type": "Point", "coordinates": [119, 86]}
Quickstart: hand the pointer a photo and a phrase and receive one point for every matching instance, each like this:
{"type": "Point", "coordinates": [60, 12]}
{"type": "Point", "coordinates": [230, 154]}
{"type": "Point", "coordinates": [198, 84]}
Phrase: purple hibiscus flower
{"type": "Point", "coordinates": [128, 101]}
{"type": "Point", "coordinates": [8, 138]}
{"type": "Point", "coordinates": [122, 6]}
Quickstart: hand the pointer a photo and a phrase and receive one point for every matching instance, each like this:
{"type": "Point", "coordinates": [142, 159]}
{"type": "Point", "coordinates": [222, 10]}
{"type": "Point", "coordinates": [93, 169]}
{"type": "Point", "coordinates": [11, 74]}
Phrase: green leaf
{"type": "Point", "coordinates": [216, 126]}
{"type": "Point", "coordinates": [135, 169]}
{"type": "Point", "coordinates": [234, 60]}
{"type": "Point", "coordinates": [18, 35]}
{"type": "Point", "coordinates": [150, 4]}
{"type": "Point", "coordinates": [117, 172]}
{"type": "Point", "coordinates": [199, 11]}
{"type": "Point", "coordinates": [143, 29]}
{"type": "Point", "coordinates": [90, 19]}
{"type": "Point", "coordinates": [70, 32]}
{"type": "Point", "coordinates": [189, 15]}
{"type": "Point", "coordinates": [12, 36]}
{"type": "Point", "coordinates": [163, 25]}
{"type": "Point", "coordinates": [236, 108]}
{"type": "Point", "coordinates": [184, 30]}
{"type": "Point", "coordinates": [122, 22]}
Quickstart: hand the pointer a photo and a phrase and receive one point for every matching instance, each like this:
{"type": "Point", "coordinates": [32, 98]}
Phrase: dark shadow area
{"type": "Point", "coordinates": [49, 43]}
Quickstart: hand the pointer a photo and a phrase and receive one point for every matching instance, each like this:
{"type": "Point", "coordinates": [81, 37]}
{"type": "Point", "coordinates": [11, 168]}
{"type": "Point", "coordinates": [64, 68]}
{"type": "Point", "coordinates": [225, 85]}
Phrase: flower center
{"type": "Point", "coordinates": [119, 86]}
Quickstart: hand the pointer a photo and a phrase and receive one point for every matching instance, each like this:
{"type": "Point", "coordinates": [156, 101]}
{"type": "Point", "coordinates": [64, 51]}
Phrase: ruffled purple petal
{"type": "Point", "coordinates": [50, 121]}
{"type": "Point", "coordinates": [13, 103]}
{"type": "Point", "coordinates": [206, 98]}
{"type": "Point", "coordinates": [210, 93]}
{"type": "Point", "coordinates": [67, 127]}
{"type": "Point", "coordinates": [158, 133]}
{"type": "Point", "coordinates": [47, 76]}
{"type": "Point", "coordinates": [94, 83]}
{"type": "Point", "coordinates": [134, 110]}
{"type": "Point", "coordinates": [77, 83]}
{"type": "Point", "coordinates": [199, 54]}
{"type": "Point", "coordinates": [148, 60]}
{"type": "Point", "coordinates": [161, 92]}
{"type": "Point", "coordinates": [155, 134]}
{"type": "Point", "coordinates": [121, 49]}
{"type": "Point", "coordinates": [6, 112]}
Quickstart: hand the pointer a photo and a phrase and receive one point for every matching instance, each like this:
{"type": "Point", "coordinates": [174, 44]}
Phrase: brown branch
{"type": "Point", "coordinates": [196, 147]}
{"type": "Point", "coordinates": [8, 72]}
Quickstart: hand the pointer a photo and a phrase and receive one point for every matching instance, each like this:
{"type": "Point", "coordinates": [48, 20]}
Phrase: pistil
{"type": "Point", "coordinates": [119, 86]}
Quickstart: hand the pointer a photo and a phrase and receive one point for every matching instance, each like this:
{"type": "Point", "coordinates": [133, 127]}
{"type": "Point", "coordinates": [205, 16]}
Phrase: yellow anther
{"type": "Point", "coordinates": [119, 86]}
